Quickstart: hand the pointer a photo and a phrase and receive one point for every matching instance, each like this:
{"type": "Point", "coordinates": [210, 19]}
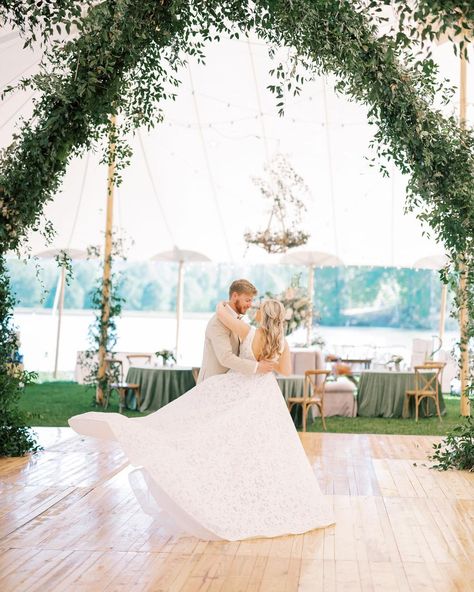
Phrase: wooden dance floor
{"type": "Point", "coordinates": [70, 522]}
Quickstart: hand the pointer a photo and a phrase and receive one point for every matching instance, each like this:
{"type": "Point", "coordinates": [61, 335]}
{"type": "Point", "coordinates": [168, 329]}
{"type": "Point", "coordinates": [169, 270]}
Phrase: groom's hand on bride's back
{"type": "Point", "coordinates": [265, 366]}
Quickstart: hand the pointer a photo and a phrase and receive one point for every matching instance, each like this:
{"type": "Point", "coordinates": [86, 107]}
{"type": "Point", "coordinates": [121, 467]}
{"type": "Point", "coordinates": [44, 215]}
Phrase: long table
{"type": "Point", "coordinates": [159, 386]}
{"type": "Point", "coordinates": [382, 394]}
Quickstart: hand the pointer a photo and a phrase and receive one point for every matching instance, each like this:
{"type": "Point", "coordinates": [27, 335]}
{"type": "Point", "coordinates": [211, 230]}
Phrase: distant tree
{"type": "Point", "coordinates": [151, 297]}
{"type": "Point", "coordinates": [33, 282]}
{"type": "Point", "coordinates": [415, 298]}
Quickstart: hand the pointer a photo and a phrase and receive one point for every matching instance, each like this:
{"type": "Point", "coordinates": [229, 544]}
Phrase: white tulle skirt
{"type": "Point", "coordinates": [223, 461]}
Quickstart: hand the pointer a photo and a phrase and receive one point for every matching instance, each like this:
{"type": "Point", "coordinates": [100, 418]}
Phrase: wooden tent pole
{"type": "Point", "coordinates": [179, 305]}
{"type": "Point", "coordinates": [107, 272]}
{"type": "Point", "coordinates": [60, 316]}
{"type": "Point", "coordinates": [309, 327]}
{"type": "Point", "coordinates": [442, 311]}
{"type": "Point", "coordinates": [463, 312]}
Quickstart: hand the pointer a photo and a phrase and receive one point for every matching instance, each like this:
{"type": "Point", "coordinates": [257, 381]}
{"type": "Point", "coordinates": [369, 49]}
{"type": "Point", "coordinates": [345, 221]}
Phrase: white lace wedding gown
{"type": "Point", "coordinates": [223, 461]}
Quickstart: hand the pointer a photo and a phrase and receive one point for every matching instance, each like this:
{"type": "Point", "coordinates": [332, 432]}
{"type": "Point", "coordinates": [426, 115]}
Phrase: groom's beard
{"type": "Point", "coordinates": [239, 309]}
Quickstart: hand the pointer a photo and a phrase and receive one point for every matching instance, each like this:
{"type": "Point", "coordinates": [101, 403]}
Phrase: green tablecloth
{"type": "Point", "coordinates": [291, 386]}
{"type": "Point", "coordinates": [381, 394]}
{"type": "Point", "coordinates": [159, 386]}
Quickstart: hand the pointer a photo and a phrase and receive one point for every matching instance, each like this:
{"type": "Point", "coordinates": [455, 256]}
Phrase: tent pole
{"type": "Point", "coordinates": [56, 296]}
{"type": "Point", "coordinates": [309, 327]}
{"type": "Point", "coordinates": [179, 305]}
{"type": "Point", "coordinates": [464, 344]}
{"type": "Point", "coordinates": [442, 312]}
{"type": "Point", "coordinates": [106, 276]}
{"type": "Point", "coordinates": [60, 316]}
{"type": "Point", "coordinates": [463, 312]}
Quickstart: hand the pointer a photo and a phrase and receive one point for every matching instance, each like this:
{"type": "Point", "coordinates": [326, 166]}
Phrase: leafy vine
{"type": "Point", "coordinates": [124, 57]}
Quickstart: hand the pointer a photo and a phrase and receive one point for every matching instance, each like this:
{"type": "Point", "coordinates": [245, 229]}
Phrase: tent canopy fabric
{"type": "Point", "coordinates": [180, 256]}
{"type": "Point", "coordinates": [189, 185]}
{"type": "Point", "coordinates": [311, 258]}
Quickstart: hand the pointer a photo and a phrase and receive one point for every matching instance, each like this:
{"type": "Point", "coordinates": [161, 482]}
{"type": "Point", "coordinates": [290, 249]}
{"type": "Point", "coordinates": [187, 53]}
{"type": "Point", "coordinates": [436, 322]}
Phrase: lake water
{"type": "Point", "coordinates": [142, 332]}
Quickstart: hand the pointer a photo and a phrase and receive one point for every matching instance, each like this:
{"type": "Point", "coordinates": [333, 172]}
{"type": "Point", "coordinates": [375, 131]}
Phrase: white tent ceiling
{"type": "Point", "coordinates": [189, 184]}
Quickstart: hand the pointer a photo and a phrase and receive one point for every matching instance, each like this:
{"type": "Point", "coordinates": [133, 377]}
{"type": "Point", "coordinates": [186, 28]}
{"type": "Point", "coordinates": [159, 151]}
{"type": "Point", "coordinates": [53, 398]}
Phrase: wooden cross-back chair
{"type": "Point", "coordinates": [120, 385]}
{"type": "Point", "coordinates": [132, 358]}
{"type": "Point", "coordinates": [195, 371]}
{"type": "Point", "coordinates": [313, 394]}
{"type": "Point", "coordinates": [427, 385]}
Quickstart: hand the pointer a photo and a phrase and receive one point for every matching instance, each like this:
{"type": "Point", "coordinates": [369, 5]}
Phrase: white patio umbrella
{"type": "Point", "coordinates": [181, 257]}
{"type": "Point", "coordinates": [58, 305]}
{"type": "Point", "coordinates": [311, 259]}
{"type": "Point", "coordinates": [437, 262]}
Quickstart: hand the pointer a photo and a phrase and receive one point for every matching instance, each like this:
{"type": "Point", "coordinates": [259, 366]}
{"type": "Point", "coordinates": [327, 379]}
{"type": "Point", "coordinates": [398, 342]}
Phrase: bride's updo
{"type": "Point", "coordinates": [272, 319]}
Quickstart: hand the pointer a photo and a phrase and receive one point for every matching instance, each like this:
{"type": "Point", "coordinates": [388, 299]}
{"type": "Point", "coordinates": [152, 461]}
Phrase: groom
{"type": "Point", "coordinates": [221, 346]}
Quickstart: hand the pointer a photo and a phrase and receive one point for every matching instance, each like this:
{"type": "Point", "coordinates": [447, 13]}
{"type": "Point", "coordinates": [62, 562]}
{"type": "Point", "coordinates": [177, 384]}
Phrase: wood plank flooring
{"type": "Point", "coordinates": [69, 522]}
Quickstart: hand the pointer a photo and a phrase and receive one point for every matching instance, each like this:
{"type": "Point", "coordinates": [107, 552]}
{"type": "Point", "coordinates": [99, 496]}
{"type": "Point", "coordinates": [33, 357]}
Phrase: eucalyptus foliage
{"type": "Point", "coordinates": [107, 304]}
{"type": "Point", "coordinates": [457, 449]}
{"type": "Point", "coordinates": [15, 437]}
{"type": "Point", "coordinates": [124, 57]}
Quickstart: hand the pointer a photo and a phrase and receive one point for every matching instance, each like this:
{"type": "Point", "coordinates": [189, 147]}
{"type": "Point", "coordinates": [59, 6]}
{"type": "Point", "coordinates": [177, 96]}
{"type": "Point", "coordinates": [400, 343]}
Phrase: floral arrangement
{"type": "Point", "coordinates": [339, 368]}
{"type": "Point", "coordinates": [297, 306]}
{"type": "Point", "coordinates": [166, 355]}
{"type": "Point", "coordinates": [394, 361]}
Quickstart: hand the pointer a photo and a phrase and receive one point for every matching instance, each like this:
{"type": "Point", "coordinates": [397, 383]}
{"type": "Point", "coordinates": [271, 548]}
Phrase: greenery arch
{"type": "Point", "coordinates": [124, 56]}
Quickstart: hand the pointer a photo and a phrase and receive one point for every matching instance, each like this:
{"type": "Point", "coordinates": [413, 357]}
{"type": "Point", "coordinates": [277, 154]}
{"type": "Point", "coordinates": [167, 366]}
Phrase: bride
{"type": "Point", "coordinates": [223, 461]}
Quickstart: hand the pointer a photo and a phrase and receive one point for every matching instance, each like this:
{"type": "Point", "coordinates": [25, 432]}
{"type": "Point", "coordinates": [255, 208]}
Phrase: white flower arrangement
{"type": "Point", "coordinates": [297, 306]}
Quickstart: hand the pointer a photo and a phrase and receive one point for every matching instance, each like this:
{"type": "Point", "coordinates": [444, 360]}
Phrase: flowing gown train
{"type": "Point", "coordinates": [223, 461]}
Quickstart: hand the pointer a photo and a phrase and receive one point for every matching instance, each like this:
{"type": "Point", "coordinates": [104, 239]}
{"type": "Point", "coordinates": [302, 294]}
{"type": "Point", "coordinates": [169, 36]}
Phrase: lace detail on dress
{"type": "Point", "coordinates": [223, 460]}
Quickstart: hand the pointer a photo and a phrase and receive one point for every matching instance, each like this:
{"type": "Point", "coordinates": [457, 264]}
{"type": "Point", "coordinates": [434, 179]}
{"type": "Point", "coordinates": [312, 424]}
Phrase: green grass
{"type": "Point", "coordinates": [428, 426]}
{"type": "Point", "coordinates": [51, 403]}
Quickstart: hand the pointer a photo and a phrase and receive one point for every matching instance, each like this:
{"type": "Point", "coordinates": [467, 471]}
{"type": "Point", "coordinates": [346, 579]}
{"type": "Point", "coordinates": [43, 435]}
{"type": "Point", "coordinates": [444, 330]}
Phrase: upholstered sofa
{"type": "Point", "coordinates": [340, 397]}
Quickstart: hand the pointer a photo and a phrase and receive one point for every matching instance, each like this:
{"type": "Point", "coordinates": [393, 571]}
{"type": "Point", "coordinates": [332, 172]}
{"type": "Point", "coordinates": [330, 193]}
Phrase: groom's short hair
{"type": "Point", "coordinates": [242, 287]}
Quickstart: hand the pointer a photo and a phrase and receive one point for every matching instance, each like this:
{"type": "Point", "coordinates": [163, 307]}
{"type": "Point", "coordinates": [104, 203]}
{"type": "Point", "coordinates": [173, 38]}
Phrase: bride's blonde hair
{"type": "Point", "coordinates": [272, 322]}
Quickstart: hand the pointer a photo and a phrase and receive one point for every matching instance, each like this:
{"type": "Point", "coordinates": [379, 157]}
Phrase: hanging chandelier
{"type": "Point", "coordinates": [285, 190]}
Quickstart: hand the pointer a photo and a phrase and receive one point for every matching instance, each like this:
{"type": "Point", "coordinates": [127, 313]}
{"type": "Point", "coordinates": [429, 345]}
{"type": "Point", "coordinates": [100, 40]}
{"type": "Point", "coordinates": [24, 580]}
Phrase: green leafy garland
{"type": "Point", "coordinates": [457, 449]}
{"type": "Point", "coordinates": [15, 438]}
{"type": "Point", "coordinates": [125, 55]}
{"type": "Point", "coordinates": [103, 330]}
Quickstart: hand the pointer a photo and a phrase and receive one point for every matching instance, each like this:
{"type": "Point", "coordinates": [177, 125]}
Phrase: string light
{"type": "Point", "coordinates": [257, 96]}
{"type": "Point", "coordinates": [209, 170]}
{"type": "Point", "coordinates": [155, 192]}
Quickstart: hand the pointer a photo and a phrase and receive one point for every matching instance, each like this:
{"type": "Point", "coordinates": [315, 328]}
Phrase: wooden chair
{"type": "Point", "coordinates": [132, 358]}
{"type": "Point", "coordinates": [313, 394]}
{"type": "Point", "coordinates": [433, 364]}
{"type": "Point", "coordinates": [195, 371]}
{"type": "Point", "coordinates": [121, 386]}
{"type": "Point", "coordinates": [427, 381]}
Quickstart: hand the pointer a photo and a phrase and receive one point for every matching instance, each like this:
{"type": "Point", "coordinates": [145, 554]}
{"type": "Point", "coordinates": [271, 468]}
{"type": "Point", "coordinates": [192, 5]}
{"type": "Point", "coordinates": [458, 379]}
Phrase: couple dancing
{"type": "Point", "coordinates": [224, 461]}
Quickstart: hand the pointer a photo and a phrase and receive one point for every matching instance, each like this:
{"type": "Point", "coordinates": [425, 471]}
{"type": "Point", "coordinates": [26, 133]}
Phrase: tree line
{"type": "Point", "coordinates": [360, 296]}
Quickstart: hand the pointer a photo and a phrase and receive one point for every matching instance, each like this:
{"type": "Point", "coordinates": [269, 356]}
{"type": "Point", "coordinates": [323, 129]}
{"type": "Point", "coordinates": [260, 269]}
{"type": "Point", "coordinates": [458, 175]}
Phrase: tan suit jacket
{"type": "Point", "coordinates": [221, 348]}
